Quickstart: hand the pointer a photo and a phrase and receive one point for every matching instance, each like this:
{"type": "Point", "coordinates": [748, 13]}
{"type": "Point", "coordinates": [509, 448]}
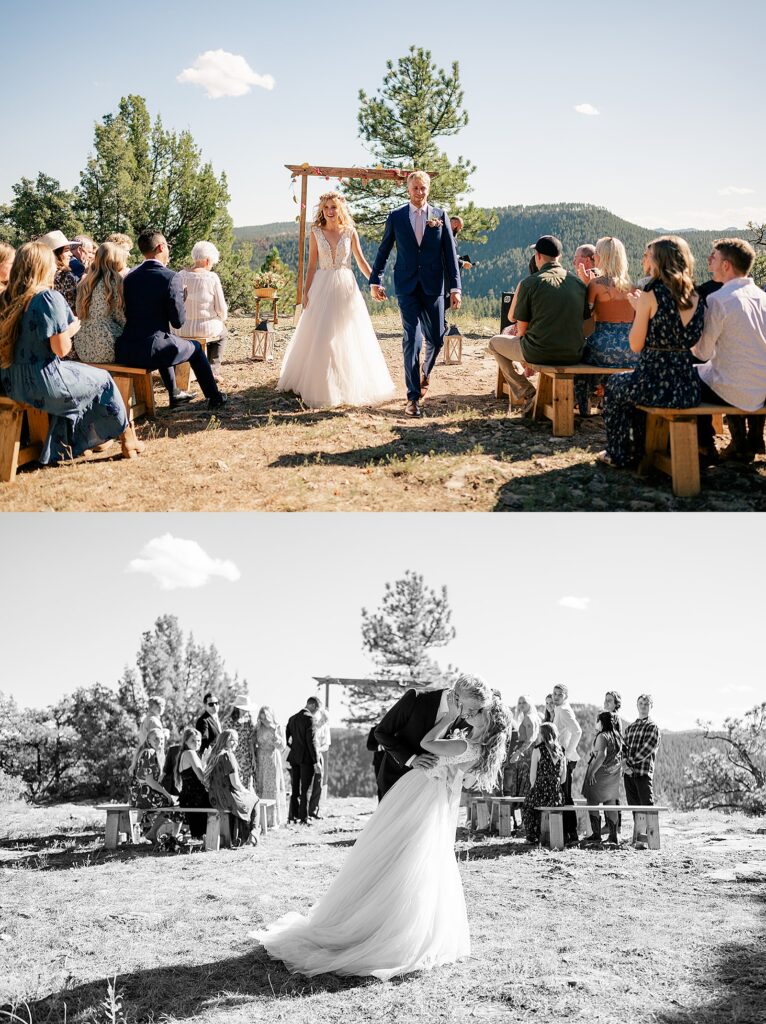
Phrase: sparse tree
{"type": "Point", "coordinates": [732, 773]}
{"type": "Point", "coordinates": [758, 239]}
{"type": "Point", "coordinates": [417, 105]}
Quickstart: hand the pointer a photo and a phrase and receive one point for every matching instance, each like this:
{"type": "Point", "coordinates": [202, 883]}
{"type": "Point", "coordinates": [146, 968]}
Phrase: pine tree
{"type": "Point", "coordinates": [418, 104]}
{"type": "Point", "coordinates": [38, 206]}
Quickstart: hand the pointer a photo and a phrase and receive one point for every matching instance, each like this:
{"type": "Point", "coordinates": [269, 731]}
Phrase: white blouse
{"type": "Point", "coordinates": [206, 307]}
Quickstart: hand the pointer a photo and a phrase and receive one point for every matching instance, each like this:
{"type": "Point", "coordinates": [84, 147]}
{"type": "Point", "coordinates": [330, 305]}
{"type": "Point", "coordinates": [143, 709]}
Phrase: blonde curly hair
{"type": "Point", "coordinates": [345, 220]}
{"type": "Point", "coordinates": [493, 740]}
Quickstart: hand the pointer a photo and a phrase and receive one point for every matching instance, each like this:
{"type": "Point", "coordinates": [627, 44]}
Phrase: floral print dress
{"type": "Point", "coordinates": [269, 772]}
{"type": "Point", "coordinates": [546, 792]}
{"type": "Point", "coordinates": [665, 377]}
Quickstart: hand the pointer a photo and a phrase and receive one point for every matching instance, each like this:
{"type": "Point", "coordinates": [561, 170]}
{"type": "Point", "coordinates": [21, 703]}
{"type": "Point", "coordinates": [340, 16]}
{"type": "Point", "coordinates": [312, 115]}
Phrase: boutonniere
{"type": "Point", "coordinates": [434, 222]}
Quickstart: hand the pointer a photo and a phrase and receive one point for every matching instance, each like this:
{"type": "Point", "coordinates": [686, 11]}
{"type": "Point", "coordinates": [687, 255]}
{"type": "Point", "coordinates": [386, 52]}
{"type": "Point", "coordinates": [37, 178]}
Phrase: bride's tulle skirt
{"type": "Point", "coordinates": [334, 356]}
{"type": "Point", "coordinates": [397, 903]}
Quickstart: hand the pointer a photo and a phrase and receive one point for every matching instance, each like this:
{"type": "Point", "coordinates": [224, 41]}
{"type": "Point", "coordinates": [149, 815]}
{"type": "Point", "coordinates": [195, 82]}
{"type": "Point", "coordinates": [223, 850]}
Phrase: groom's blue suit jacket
{"type": "Point", "coordinates": [432, 264]}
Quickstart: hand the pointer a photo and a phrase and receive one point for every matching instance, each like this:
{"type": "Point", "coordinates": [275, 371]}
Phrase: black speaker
{"type": "Point", "coordinates": [505, 305]}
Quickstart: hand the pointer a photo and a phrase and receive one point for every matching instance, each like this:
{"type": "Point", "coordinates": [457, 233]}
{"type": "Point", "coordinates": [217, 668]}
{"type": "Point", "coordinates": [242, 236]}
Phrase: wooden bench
{"type": "Point", "coordinates": [135, 385]}
{"type": "Point", "coordinates": [672, 446]}
{"type": "Point", "coordinates": [646, 821]}
{"type": "Point", "coordinates": [502, 807]}
{"type": "Point", "coordinates": [14, 416]}
{"type": "Point", "coordinates": [183, 370]}
{"type": "Point", "coordinates": [125, 818]}
{"type": "Point", "coordinates": [555, 392]}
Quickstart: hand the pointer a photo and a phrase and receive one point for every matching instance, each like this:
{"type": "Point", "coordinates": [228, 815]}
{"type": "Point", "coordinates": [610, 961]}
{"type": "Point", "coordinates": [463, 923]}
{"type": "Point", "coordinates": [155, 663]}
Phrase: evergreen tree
{"type": "Point", "coordinates": [235, 265]}
{"type": "Point", "coordinates": [288, 280]}
{"type": "Point", "coordinates": [758, 239]}
{"type": "Point", "coordinates": [38, 206]}
{"type": "Point", "coordinates": [417, 105]}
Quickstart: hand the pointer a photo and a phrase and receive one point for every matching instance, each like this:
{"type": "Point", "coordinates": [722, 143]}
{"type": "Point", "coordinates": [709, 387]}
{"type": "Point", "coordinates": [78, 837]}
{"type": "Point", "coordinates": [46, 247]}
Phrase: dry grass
{"type": "Point", "coordinates": [267, 452]}
{"type": "Point", "coordinates": [578, 935]}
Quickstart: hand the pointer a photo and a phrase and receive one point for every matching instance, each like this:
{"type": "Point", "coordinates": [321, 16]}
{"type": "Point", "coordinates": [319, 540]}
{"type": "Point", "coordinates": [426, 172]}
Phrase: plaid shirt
{"type": "Point", "coordinates": [641, 741]}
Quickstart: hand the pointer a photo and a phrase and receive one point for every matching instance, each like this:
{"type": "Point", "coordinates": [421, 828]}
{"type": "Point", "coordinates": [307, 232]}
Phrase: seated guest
{"type": "Point", "coordinates": [146, 790]}
{"type": "Point", "coordinates": [83, 252]}
{"type": "Point", "coordinates": [642, 738]}
{"type": "Point", "coordinates": [668, 323]}
{"type": "Point", "coordinates": [36, 330]}
{"type": "Point", "coordinates": [734, 343]}
{"type": "Point", "coordinates": [550, 309]}
{"type": "Point", "coordinates": [209, 724]}
{"type": "Point", "coordinates": [602, 776]}
{"type": "Point", "coordinates": [155, 706]}
{"type": "Point", "coordinates": [206, 308]}
{"type": "Point", "coordinates": [64, 280]}
{"type": "Point", "coordinates": [7, 254]}
{"type": "Point", "coordinates": [608, 345]}
{"type": "Point", "coordinates": [584, 262]}
{"type": "Point", "coordinates": [167, 779]}
{"type": "Point", "coordinates": [189, 777]}
{"type": "Point", "coordinates": [153, 304]}
{"type": "Point", "coordinates": [226, 791]}
{"type": "Point", "coordinates": [100, 306]}
{"type": "Point", "coordinates": [547, 774]}
{"type": "Point", "coordinates": [125, 242]}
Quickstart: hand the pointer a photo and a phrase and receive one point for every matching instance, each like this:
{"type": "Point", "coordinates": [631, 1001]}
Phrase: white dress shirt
{"type": "Point", "coordinates": [734, 341]}
{"type": "Point", "coordinates": [568, 729]}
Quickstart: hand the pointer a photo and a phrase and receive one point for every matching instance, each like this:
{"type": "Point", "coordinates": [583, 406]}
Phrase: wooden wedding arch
{"type": "Point", "coordinates": [305, 171]}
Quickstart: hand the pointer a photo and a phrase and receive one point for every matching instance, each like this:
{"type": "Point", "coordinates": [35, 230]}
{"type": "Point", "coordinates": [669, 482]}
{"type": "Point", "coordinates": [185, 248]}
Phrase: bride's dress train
{"type": "Point", "coordinates": [334, 356]}
{"type": "Point", "coordinates": [397, 903]}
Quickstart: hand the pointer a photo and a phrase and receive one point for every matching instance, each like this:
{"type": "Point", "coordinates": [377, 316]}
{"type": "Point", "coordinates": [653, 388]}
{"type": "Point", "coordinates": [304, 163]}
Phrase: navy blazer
{"type": "Point", "coordinates": [432, 264]}
{"type": "Point", "coordinates": [154, 302]}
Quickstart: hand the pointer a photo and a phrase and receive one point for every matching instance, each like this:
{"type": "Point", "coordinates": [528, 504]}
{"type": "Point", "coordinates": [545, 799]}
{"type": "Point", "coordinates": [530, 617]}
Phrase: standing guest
{"type": "Point", "coordinates": [569, 733]}
{"type": "Point", "coordinates": [516, 775]}
{"type": "Point", "coordinates": [153, 304]}
{"type": "Point", "coordinates": [155, 708]}
{"type": "Point", "coordinates": [146, 790]}
{"type": "Point", "coordinates": [83, 250]}
{"type": "Point", "coordinates": [378, 753]}
{"type": "Point", "coordinates": [7, 255]}
{"type": "Point", "coordinates": [584, 262]}
{"type": "Point", "coordinates": [734, 343]}
{"type": "Point", "coordinates": [226, 791]}
{"type": "Point", "coordinates": [613, 703]}
{"type": "Point", "coordinates": [668, 323]}
{"type": "Point", "coordinates": [269, 770]}
{"type": "Point", "coordinates": [550, 310]}
{"type": "Point", "coordinates": [642, 738]}
{"type": "Point", "coordinates": [609, 344]}
{"type": "Point", "coordinates": [241, 719]}
{"type": "Point", "coordinates": [303, 759]}
{"type": "Point", "coordinates": [100, 305]}
{"type": "Point", "coordinates": [189, 777]}
{"type": "Point", "coordinates": [547, 774]}
{"type": "Point", "coordinates": [322, 737]}
{"type": "Point", "coordinates": [36, 331]}
{"type": "Point", "coordinates": [209, 724]}
{"type": "Point", "coordinates": [602, 776]}
{"type": "Point", "coordinates": [206, 309]}
{"type": "Point", "coordinates": [550, 708]}
{"type": "Point", "coordinates": [64, 281]}
{"type": "Point", "coordinates": [125, 242]}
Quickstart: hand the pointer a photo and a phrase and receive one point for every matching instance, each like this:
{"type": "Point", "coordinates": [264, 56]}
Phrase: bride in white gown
{"type": "Point", "coordinates": [397, 904]}
{"type": "Point", "coordinates": [334, 357]}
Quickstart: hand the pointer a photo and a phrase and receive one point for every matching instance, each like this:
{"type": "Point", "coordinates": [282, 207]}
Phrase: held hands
{"type": "Point", "coordinates": [425, 761]}
{"type": "Point", "coordinates": [317, 769]}
{"type": "Point", "coordinates": [378, 292]}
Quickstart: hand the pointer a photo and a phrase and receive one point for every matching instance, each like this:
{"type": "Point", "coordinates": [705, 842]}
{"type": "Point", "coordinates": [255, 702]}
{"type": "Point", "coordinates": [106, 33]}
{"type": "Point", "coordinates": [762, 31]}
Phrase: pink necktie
{"type": "Point", "coordinates": [419, 225]}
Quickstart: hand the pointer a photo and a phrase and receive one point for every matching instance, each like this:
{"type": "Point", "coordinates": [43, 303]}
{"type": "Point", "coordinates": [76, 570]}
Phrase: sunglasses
{"type": "Point", "coordinates": [213, 703]}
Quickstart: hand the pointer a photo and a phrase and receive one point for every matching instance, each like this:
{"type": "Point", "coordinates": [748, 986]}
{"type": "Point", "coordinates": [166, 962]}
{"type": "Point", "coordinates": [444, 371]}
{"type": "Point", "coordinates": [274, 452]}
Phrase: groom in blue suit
{"type": "Point", "coordinates": [426, 265]}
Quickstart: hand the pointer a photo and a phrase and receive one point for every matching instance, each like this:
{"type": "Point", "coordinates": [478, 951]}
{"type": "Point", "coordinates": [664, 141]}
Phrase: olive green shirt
{"type": "Point", "coordinates": [555, 304]}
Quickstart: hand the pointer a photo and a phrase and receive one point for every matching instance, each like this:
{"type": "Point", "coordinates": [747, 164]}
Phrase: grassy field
{"type": "Point", "coordinates": [578, 935]}
{"type": "Point", "coordinates": [268, 452]}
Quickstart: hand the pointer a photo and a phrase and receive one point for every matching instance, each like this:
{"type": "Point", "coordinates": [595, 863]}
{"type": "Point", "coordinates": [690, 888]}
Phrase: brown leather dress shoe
{"type": "Point", "coordinates": [412, 409]}
{"type": "Point", "coordinates": [424, 382]}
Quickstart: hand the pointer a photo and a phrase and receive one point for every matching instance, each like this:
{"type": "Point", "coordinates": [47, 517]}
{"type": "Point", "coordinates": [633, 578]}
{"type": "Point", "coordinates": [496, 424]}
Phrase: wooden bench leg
{"type": "Point", "coordinates": [639, 825]}
{"type": "Point", "coordinates": [557, 830]}
{"type": "Point", "coordinates": [718, 424]}
{"type": "Point", "coordinates": [656, 441]}
{"type": "Point", "coordinates": [145, 393]}
{"type": "Point", "coordinates": [653, 830]}
{"type": "Point", "coordinates": [183, 371]}
{"type": "Point", "coordinates": [213, 833]}
{"type": "Point", "coordinates": [684, 458]}
{"type": "Point", "coordinates": [10, 442]}
{"type": "Point", "coordinates": [544, 397]}
{"type": "Point", "coordinates": [545, 828]}
{"type": "Point", "coordinates": [125, 825]}
{"type": "Point", "coordinates": [263, 814]}
{"type": "Point", "coordinates": [224, 828]}
{"type": "Point", "coordinates": [482, 815]}
{"type": "Point", "coordinates": [563, 406]}
{"type": "Point", "coordinates": [505, 826]}
{"type": "Point", "coordinates": [112, 826]}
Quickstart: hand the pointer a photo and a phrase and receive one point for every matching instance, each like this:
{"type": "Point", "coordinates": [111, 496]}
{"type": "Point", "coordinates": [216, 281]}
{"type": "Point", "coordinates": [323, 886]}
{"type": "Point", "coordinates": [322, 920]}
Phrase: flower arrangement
{"type": "Point", "coordinates": [266, 279]}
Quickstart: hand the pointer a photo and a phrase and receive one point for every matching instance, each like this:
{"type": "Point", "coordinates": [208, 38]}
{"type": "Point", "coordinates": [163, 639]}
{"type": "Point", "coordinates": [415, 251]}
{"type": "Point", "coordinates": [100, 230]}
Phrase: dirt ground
{"type": "Point", "coordinates": [267, 452]}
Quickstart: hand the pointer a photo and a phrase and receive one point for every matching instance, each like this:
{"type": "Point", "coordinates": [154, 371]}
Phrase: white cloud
{"type": "Point", "coordinates": [178, 563]}
{"type": "Point", "coordinates": [578, 603]}
{"type": "Point", "coordinates": [737, 688]}
{"type": "Point", "coordinates": [587, 108]}
{"type": "Point", "coordinates": [221, 73]}
{"type": "Point", "coordinates": [734, 190]}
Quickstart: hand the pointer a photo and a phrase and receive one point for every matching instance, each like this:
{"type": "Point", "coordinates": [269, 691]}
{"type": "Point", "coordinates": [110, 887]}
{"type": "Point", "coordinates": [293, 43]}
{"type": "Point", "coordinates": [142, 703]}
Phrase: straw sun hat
{"type": "Point", "coordinates": [55, 240]}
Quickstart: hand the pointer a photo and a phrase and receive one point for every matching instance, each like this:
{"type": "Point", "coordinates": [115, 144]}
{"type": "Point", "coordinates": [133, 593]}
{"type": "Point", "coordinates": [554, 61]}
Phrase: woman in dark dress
{"type": "Point", "coordinates": [227, 792]}
{"type": "Point", "coordinates": [146, 790]}
{"type": "Point", "coordinates": [547, 774]}
{"type": "Point", "coordinates": [602, 776]}
{"type": "Point", "coordinates": [669, 321]}
{"type": "Point", "coordinates": [190, 781]}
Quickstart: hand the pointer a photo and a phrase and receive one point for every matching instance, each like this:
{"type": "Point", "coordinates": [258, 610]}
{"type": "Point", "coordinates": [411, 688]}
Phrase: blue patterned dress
{"type": "Point", "coordinates": [84, 404]}
{"type": "Point", "coordinates": [665, 377]}
{"type": "Point", "coordinates": [607, 346]}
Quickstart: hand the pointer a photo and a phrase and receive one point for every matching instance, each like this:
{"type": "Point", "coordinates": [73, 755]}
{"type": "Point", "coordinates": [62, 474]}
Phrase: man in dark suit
{"type": "Point", "coordinates": [378, 753]}
{"type": "Point", "coordinates": [154, 302]}
{"type": "Point", "coordinates": [403, 727]}
{"type": "Point", "coordinates": [208, 725]}
{"type": "Point", "coordinates": [303, 759]}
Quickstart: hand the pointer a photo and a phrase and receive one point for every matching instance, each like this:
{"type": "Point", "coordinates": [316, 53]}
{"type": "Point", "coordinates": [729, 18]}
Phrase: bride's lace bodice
{"type": "Point", "coordinates": [447, 767]}
{"type": "Point", "coordinates": [343, 255]}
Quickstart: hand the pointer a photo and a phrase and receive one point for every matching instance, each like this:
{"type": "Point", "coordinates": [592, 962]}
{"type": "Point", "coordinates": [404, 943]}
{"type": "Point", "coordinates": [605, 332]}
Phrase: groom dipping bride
{"type": "Point", "coordinates": [425, 255]}
{"type": "Point", "coordinates": [397, 903]}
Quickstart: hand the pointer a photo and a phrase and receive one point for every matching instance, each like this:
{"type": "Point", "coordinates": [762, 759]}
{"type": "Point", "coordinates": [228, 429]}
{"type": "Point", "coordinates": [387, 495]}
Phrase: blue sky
{"type": "Point", "coordinates": [674, 144]}
{"type": "Point", "coordinates": [638, 603]}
